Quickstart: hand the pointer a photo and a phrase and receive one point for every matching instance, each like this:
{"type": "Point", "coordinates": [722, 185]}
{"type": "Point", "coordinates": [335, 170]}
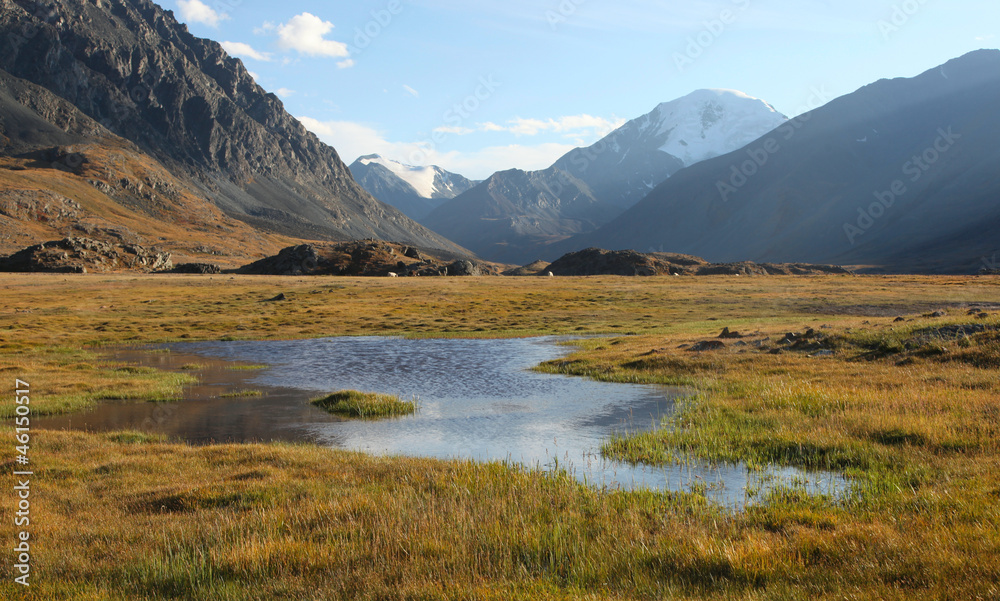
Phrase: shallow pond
{"type": "Point", "coordinates": [478, 399]}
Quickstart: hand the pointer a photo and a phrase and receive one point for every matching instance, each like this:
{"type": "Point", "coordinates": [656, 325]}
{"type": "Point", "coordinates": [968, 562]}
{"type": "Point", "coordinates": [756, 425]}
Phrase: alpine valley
{"type": "Point", "coordinates": [117, 126]}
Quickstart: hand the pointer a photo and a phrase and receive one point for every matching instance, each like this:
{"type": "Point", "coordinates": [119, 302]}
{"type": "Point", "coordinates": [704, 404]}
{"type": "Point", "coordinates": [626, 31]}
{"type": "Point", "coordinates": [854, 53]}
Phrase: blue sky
{"type": "Point", "coordinates": [477, 87]}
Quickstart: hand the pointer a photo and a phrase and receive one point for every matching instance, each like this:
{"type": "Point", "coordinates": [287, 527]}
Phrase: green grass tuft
{"type": "Point", "coordinates": [365, 405]}
{"type": "Point", "coordinates": [242, 394]}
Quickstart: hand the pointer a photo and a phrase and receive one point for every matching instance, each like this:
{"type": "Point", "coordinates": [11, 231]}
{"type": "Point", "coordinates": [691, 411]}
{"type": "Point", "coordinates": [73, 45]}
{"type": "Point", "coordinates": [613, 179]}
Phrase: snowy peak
{"type": "Point", "coordinates": [416, 191]}
{"type": "Point", "coordinates": [421, 178]}
{"type": "Point", "coordinates": [710, 123]}
{"type": "Point", "coordinates": [428, 182]}
{"type": "Point", "coordinates": [625, 165]}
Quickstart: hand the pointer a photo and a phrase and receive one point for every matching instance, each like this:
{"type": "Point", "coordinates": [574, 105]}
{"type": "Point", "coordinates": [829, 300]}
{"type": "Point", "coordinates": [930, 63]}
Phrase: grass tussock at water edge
{"type": "Point", "coordinates": [365, 405]}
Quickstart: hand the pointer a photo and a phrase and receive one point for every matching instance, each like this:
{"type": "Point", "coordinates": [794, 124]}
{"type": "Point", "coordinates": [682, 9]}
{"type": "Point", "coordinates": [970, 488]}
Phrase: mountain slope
{"type": "Point", "coordinates": [903, 174]}
{"type": "Point", "coordinates": [416, 191]}
{"type": "Point", "coordinates": [589, 186]}
{"type": "Point", "coordinates": [62, 174]}
{"type": "Point", "coordinates": [515, 214]}
{"type": "Point", "coordinates": [132, 67]}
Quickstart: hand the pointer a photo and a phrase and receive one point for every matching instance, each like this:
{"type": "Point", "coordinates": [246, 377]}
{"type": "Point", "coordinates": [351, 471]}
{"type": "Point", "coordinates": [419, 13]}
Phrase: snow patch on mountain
{"type": "Point", "coordinates": [710, 123]}
{"type": "Point", "coordinates": [421, 178]}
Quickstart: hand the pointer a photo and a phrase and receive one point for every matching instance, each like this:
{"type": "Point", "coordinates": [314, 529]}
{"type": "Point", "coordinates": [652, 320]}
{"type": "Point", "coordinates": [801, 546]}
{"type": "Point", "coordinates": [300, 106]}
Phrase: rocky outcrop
{"type": "Point", "coordinates": [365, 258]}
{"type": "Point", "coordinates": [84, 255]}
{"type": "Point", "coordinates": [536, 268]}
{"type": "Point", "coordinates": [197, 269]}
{"type": "Point", "coordinates": [596, 261]}
{"type": "Point", "coordinates": [465, 268]}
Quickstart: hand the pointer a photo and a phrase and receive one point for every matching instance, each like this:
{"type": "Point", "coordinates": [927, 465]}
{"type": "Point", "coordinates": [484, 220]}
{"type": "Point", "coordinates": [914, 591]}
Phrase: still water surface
{"type": "Point", "coordinates": [478, 400]}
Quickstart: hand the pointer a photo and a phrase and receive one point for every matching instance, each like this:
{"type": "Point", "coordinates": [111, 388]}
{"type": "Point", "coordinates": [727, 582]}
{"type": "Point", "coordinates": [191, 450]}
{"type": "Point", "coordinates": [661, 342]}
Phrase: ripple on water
{"type": "Point", "coordinates": [478, 400]}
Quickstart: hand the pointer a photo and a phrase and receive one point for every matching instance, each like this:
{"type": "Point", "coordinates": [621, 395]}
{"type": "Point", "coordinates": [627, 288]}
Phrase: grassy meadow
{"type": "Point", "coordinates": [892, 381]}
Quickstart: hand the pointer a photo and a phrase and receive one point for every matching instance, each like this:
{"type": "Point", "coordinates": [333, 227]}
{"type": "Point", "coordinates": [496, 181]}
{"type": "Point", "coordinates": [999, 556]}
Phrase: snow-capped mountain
{"type": "Point", "coordinates": [588, 187]}
{"type": "Point", "coordinates": [626, 165]}
{"type": "Point", "coordinates": [901, 174]}
{"type": "Point", "coordinates": [416, 191]}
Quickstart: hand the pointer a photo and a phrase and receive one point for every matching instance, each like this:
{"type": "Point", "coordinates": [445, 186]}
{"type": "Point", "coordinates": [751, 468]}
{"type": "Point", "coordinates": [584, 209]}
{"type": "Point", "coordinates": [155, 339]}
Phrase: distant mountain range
{"type": "Point", "coordinates": [902, 175]}
{"type": "Point", "coordinates": [126, 73]}
{"type": "Point", "coordinates": [514, 215]}
{"type": "Point", "coordinates": [119, 125]}
{"type": "Point", "coordinates": [416, 191]}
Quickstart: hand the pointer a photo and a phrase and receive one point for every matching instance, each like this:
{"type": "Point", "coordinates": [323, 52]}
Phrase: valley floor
{"type": "Point", "coordinates": [892, 381]}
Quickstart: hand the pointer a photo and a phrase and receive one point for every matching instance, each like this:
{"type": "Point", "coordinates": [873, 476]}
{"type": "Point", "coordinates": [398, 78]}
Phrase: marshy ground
{"type": "Point", "coordinates": [892, 381]}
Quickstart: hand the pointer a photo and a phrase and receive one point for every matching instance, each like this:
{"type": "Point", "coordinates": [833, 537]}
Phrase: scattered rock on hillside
{"type": "Point", "coordinates": [38, 205]}
{"type": "Point", "coordinates": [85, 255]}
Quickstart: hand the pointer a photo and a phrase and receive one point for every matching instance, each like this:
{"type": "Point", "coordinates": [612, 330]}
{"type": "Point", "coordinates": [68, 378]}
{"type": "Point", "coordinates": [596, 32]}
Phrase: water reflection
{"type": "Point", "coordinates": [478, 400]}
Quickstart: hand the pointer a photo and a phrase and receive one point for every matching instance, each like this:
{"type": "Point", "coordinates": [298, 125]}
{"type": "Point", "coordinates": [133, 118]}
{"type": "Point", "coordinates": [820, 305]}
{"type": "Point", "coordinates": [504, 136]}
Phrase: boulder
{"type": "Point", "coordinates": [465, 268]}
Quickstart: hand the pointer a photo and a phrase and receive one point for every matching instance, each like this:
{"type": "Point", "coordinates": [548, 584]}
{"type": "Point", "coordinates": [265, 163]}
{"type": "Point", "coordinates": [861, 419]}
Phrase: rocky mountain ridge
{"type": "Point", "coordinates": [129, 66]}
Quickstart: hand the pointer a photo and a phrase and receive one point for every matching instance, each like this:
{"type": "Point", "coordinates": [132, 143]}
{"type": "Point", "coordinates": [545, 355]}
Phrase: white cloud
{"type": "Point", "coordinates": [305, 34]}
{"type": "Point", "coordinates": [353, 140]}
{"type": "Point", "coordinates": [485, 162]}
{"type": "Point", "coordinates": [411, 91]}
{"type": "Point", "coordinates": [284, 92]}
{"type": "Point", "coordinates": [196, 11]}
{"type": "Point", "coordinates": [356, 139]}
{"type": "Point", "coordinates": [346, 64]}
{"type": "Point", "coordinates": [253, 74]}
{"type": "Point", "coordinates": [245, 51]}
{"type": "Point", "coordinates": [574, 126]}
{"type": "Point", "coordinates": [571, 125]}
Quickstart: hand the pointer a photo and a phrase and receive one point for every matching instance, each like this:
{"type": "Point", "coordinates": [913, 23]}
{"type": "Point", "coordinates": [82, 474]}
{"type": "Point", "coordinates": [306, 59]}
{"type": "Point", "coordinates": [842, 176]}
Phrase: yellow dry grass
{"type": "Point", "coordinates": [912, 421]}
